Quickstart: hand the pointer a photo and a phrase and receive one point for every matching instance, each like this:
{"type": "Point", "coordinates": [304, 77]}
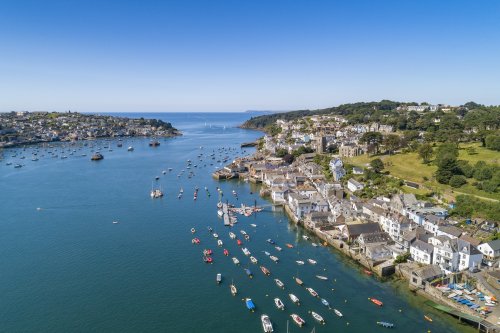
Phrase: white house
{"type": "Point", "coordinates": [337, 169]}
{"type": "Point", "coordinates": [490, 251]}
{"type": "Point", "coordinates": [353, 185]}
{"type": "Point", "coordinates": [421, 252]}
{"type": "Point", "coordinates": [454, 254]}
{"type": "Point", "coordinates": [278, 194]}
{"type": "Point", "coordinates": [300, 205]}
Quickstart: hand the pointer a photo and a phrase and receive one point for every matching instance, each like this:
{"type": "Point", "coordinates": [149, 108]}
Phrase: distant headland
{"type": "Point", "coordinates": [18, 128]}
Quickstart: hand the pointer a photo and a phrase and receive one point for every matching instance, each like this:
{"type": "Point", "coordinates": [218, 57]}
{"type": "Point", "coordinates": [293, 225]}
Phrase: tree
{"type": "Point", "coordinates": [457, 181]}
{"type": "Point", "coordinates": [447, 167]}
{"type": "Point", "coordinates": [446, 149]}
{"type": "Point", "coordinates": [392, 142]}
{"type": "Point", "coordinates": [425, 151]}
{"type": "Point", "coordinates": [281, 152]}
{"type": "Point", "coordinates": [493, 142]}
{"type": "Point", "coordinates": [288, 158]}
{"type": "Point", "coordinates": [372, 139]}
{"type": "Point", "coordinates": [377, 165]}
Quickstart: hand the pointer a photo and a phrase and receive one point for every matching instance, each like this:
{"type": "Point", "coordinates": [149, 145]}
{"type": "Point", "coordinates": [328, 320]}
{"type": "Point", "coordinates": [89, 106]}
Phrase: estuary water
{"type": "Point", "coordinates": [66, 267]}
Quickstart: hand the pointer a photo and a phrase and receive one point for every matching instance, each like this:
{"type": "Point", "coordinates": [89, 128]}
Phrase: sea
{"type": "Point", "coordinates": [67, 267]}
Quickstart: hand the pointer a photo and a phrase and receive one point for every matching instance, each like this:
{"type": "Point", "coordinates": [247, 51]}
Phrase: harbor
{"type": "Point", "coordinates": [138, 273]}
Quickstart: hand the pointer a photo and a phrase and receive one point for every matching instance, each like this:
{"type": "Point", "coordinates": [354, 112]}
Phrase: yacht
{"type": "Point", "coordinates": [279, 304]}
{"type": "Point", "coordinates": [266, 323]}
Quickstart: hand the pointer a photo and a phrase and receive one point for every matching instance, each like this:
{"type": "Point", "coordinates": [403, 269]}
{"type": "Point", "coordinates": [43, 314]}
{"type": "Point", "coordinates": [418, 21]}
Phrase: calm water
{"type": "Point", "coordinates": [65, 267]}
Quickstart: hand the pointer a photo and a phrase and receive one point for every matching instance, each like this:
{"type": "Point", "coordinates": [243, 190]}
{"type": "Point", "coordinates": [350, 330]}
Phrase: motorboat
{"type": "Point", "coordinates": [317, 317]}
{"type": "Point", "coordinates": [312, 292]}
{"type": "Point", "coordinates": [247, 237]}
{"type": "Point", "coordinates": [338, 313]}
{"type": "Point", "coordinates": [305, 237]}
{"type": "Point", "coordinates": [265, 270]}
{"type": "Point", "coordinates": [270, 241]}
{"type": "Point", "coordinates": [249, 304]}
{"type": "Point", "coordinates": [239, 242]}
{"type": "Point", "coordinates": [253, 260]}
{"type": "Point", "coordinates": [236, 261]}
{"type": "Point", "coordinates": [130, 148]}
{"type": "Point", "coordinates": [279, 304]}
{"type": "Point", "coordinates": [279, 283]}
{"type": "Point", "coordinates": [193, 230]}
{"type": "Point", "coordinates": [219, 242]}
{"type": "Point", "coordinates": [312, 262]}
{"type": "Point", "coordinates": [294, 299]}
{"type": "Point", "coordinates": [233, 289]}
{"type": "Point", "coordinates": [215, 235]}
{"type": "Point", "coordinates": [314, 244]}
{"type": "Point", "coordinates": [245, 251]}
{"type": "Point", "coordinates": [273, 258]}
{"type": "Point", "coordinates": [325, 302]}
{"type": "Point", "coordinates": [195, 241]}
{"type": "Point", "coordinates": [207, 252]}
{"type": "Point", "coordinates": [232, 235]}
{"type": "Point", "coordinates": [266, 323]}
{"type": "Point", "coordinates": [290, 246]}
{"type": "Point", "coordinates": [226, 252]}
{"type": "Point", "coordinates": [385, 324]}
{"type": "Point", "coordinates": [375, 301]}
{"type": "Point", "coordinates": [299, 281]}
{"type": "Point", "coordinates": [249, 273]}
{"type": "Point", "coordinates": [429, 319]}
{"type": "Point", "coordinates": [219, 278]}
{"type": "Point", "coordinates": [267, 253]}
{"type": "Point", "coordinates": [253, 225]}
{"type": "Point", "coordinates": [321, 277]}
{"type": "Point", "coordinates": [243, 232]}
{"type": "Point", "coordinates": [299, 321]}
{"type": "Point", "coordinates": [278, 248]}
{"type": "Point", "coordinates": [207, 259]}
{"type": "Point", "coordinates": [299, 262]}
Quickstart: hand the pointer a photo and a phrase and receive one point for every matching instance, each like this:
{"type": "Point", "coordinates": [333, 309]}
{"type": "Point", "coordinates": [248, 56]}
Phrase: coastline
{"type": "Point", "coordinates": [387, 273]}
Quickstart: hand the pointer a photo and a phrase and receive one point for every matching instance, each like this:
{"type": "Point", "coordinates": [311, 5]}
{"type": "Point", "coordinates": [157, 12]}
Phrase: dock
{"type": "Point", "coordinates": [225, 210]}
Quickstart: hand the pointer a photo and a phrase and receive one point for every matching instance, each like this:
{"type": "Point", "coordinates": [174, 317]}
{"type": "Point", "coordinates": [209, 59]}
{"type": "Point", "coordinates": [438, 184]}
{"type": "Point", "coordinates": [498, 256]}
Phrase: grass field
{"type": "Point", "coordinates": [409, 166]}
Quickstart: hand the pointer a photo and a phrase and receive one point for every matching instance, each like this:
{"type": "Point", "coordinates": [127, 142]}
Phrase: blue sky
{"type": "Point", "coordinates": [235, 55]}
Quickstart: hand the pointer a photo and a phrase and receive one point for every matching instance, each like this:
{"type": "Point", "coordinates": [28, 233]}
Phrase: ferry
{"type": "Point", "coordinates": [249, 304]}
{"type": "Point", "coordinates": [273, 258]}
{"type": "Point", "coordinates": [325, 302]}
{"type": "Point", "coordinates": [266, 323]}
{"type": "Point", "coordinates": [294, 299]}
{"type": "Point", "coordinates": [296, 318]}
{"type": "Point", "coordinates": [265, 270]}
{"type": "Point", "coordinates": [318, 317]}
{"type": "Point", "coordinates": [253, 260]}
{"type": "Point", "coordinates": [375, 301]}
{"type": "Point", "coordinates": [279, 283]}
{"type": "Point", "coordinates": [279, 304]}
{"type": "Point", "coordinates": [219, 278]}
{"type": "Point", "coordinates": [236, 261]}
{"type": "Point", "coordinates": [338, 313]}
{"type": "Point", "coordinates": [312, 292]}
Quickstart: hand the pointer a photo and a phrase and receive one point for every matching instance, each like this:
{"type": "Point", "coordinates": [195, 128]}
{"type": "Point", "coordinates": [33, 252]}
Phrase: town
{"type": "Point", "coordinates": [20, 128]}
{"type": "Point", "coordinates": [307, 166]}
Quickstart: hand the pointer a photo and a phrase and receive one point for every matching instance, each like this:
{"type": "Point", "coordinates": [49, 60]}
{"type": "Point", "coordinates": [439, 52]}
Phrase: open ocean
{"type": "Point", "coordinates": [65, 267]}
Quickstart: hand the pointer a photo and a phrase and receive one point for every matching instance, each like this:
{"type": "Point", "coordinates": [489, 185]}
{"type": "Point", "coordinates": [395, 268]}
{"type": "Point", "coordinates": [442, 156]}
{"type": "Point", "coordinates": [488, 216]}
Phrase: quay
{"type": "Point", "coordinates": [225, 210]}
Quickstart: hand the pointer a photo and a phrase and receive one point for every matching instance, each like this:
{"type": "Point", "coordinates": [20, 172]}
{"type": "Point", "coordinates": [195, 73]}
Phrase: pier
{"type": "Point", "coordinates": [225, 210]}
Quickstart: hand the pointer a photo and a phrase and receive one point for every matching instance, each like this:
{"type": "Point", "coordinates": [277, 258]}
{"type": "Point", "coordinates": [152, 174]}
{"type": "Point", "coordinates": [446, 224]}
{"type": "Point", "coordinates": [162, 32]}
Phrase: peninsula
{"type": "Point", "coordinates": [19, 128]}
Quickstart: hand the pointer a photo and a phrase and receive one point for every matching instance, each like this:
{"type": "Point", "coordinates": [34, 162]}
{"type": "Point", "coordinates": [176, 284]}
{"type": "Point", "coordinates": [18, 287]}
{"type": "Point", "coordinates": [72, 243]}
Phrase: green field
{"type": "Point", "coordinates": [409, 166]}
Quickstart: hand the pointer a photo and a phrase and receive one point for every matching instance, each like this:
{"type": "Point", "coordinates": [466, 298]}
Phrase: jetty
{"type": "Point", "coordinates": [225, 210]}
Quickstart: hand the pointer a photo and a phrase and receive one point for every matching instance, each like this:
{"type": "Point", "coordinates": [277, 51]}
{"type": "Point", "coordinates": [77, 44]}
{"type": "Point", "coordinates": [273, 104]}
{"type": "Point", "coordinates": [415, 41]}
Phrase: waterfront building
{"type": "Point", "coordinates": [490, 251]}
{"type": "Point", "coordinates": [421, 252]}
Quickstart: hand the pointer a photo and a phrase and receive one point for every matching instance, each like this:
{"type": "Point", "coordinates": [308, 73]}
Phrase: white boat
{"type": "Point", "coordinates": [232, 235]}
{"type": "Point", "coordinates": [338, 313]}
{"type": "Point", "coordinates": [266, 253]}
{"type": "Point", "coordinates": [296, 318]}
{"type": "Point", "coordinates": [193, 230]}
{"type": "Point", "coordinates": [215, 235]}
{"type": "Point", "coordinates": [273, 258]}
{"type": "Point", "coordinates": [279, 304]}
{"type": "Point", "coordinates": [266, 323]}
{"type": "Point", "coordinates": [317, 317]}
{"type": "Point", "coordinates": [219, 242]}
{"type": "Point", "coordinates": [233, 289]}
{"type": "Point", "coordinates": [321, 277]}
{"type": "Point", "coordinates": [277, 248]}
{"type": "Point", "coordinates": [245, 251]}
{"type": "Point", "coordinates": [236, 261]}
{"type": "Point", "coordinates": [314, 244]}
{"type": "Point", "coordinates": [253, 259]}
{"type": "Point", "coordinates": [299, 262]}
{"type": "Point", "coordinates": [219, 278]}
{"type": "Point", "coordinates": [305, 237]}
{"type": "Point", "coordinates": [243, 232]}
{"type": "Point", "coordinates": [220, 213]}
{"type": "Point", "coordinates": [312, 292]}
{"type": "Point", "coordinates": [279, 283]}
{"type": "Point", "coordinates": [294, 299]}
{"type": "Point", "coordinates": [312, 262]}
{"type": "Point", "coordinates": [253, 225]}
{"type": "Point", "coordinates": [130, 148]}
